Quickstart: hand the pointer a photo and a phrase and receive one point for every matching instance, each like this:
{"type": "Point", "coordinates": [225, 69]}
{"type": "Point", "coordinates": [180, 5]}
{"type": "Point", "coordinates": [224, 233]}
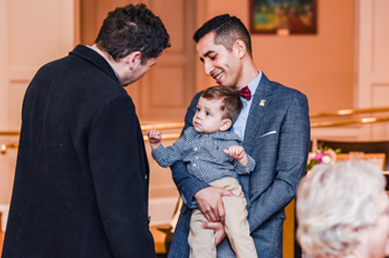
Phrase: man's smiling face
{"type": "Point", "coordinates": [224, 66]}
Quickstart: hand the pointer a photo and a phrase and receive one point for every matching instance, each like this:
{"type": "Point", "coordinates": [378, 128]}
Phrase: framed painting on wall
{"type": "Point", "coordinates": [283, 16]}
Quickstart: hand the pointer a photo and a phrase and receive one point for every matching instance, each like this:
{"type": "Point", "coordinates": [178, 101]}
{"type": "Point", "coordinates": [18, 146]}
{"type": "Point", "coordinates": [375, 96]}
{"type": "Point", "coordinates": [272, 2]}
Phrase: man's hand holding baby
{"type": "Point", "coordinates": [154, 138]}
{"type": "Point", "coordinates": [237, 152]}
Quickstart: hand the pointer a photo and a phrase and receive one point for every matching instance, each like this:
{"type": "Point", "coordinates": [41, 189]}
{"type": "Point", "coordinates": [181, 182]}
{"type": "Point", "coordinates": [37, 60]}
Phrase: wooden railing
{"type": "Point", "coordinates": [348, 112]}
{"type": "Point", "coordinates": [313, 115]}
{"type": "Point", "coordinates": [365, 120]}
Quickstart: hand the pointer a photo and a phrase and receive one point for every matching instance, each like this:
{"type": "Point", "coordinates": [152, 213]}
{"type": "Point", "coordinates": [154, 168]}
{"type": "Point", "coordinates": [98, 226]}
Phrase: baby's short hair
{"type": "Point", "coordinates": [231, 102]}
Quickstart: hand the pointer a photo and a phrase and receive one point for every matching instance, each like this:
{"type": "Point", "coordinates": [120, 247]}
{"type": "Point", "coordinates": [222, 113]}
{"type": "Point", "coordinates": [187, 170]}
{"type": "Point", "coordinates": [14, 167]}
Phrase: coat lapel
{"type": "Point", "coordinates": [260, 103]}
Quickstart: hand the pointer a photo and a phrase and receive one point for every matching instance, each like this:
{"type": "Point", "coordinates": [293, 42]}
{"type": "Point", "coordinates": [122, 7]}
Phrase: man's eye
{"type": "Point", "coordinates": [213, 57]}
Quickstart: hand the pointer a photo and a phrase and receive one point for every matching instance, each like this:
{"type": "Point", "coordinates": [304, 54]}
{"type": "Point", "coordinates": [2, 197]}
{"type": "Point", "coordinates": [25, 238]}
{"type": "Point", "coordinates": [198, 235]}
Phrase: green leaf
{"type": "Point", "coordinates": [311, 164]}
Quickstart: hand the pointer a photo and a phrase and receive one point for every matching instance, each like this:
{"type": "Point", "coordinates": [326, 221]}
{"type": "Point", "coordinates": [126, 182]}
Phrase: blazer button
{"type": "Point", "coordinates": [146, 177]}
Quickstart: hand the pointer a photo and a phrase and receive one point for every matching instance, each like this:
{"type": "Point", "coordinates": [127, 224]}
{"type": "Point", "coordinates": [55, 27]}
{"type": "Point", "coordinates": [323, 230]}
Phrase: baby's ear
{"type": "Point", "coordinates": [225, 125]}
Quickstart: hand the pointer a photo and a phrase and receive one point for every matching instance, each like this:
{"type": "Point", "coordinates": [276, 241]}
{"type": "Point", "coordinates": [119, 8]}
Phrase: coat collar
{"type": "Point", "coordinates": [95, 58]}
{"type": "Point", "coordinates": [258, 107]}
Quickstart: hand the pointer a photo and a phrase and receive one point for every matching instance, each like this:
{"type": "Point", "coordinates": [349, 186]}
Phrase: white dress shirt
{"type": "Point", "coordinates": [239, 126]}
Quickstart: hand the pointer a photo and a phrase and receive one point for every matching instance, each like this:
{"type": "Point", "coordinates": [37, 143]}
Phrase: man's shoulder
{"type": "Point", "coordinates": [283, 89]}
{"type": "Point", "coordinates": [283, 92]}
{"type": "Point", "coordinates": [52, 65]}
{"type": "Point", "coordinates": [69, 63]}
{"type": "Point", "coordinates": [197, 96]}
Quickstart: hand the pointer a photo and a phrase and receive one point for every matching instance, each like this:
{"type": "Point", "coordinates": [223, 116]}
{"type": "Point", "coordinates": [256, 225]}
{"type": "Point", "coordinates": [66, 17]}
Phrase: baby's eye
{"type": "Point", "coordinates": [198, 109]}
{"type": "Point", "coordinates": [208, 114]}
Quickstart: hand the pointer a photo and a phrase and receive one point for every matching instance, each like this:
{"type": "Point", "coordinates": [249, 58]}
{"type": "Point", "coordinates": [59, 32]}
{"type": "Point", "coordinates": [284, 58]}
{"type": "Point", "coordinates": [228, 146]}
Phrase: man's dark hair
{"type": "Point", "coordinates": [231, 102]}
{"type": "Point", "coordinates": [228, 29]}
{"type": "Point", "coordinates": [132, 28]}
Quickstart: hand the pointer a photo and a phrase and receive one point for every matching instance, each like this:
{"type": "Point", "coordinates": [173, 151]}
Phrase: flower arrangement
{"type": "Point", "coordinates": [322, 155]}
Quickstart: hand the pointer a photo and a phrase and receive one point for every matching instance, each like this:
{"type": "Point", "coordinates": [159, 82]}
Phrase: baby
{"type": "Point", "coordinates": [213, 154]}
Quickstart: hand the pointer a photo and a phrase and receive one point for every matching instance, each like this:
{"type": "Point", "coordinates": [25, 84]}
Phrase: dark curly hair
{"type": "Point", "coordinates": [132, 28]}
{"type": "Point", "coordinates": [228, 29]}
{"type": "Point", "coordinates": [231, 102]}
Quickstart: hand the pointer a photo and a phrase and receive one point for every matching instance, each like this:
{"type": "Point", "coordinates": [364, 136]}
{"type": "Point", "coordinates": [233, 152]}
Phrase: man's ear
{"type": "Point", "coordinates": [225, 125]}
{"type": "Point", "coordinates": [133, 59]}
{"type": "Point", "coordinates": [240, 47]}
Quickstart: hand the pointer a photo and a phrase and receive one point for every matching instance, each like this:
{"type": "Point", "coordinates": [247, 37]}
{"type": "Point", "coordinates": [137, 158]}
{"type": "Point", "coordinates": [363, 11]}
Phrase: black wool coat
{"type": "Point", "coordinates": [81, 181]}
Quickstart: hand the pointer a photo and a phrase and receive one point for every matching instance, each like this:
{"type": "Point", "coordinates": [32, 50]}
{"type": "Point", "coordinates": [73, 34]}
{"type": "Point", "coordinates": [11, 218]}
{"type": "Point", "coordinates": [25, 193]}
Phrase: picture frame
{"type": "Point", "coordinates": [283, 17]}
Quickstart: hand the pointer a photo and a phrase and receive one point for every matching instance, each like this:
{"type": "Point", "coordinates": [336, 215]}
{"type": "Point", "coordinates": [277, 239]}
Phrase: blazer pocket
{"type": "Point", "coordinates": [268, 133]}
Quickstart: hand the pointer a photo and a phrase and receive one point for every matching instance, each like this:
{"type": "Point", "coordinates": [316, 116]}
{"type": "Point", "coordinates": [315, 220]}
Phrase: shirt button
{"type": "Point", "coordinates": [197, 158]}
{"type": "Point", "coordinates": [194, 164]}
{"type": "Point", "coordinates": [196, 149]}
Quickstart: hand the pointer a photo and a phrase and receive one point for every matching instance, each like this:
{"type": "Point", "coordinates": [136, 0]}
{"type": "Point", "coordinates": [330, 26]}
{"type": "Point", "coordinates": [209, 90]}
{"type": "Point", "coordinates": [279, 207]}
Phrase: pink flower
{"type": "Point", "coordinates": [323, 155]}
{"type": "Point", "coordinates": [319, 156]}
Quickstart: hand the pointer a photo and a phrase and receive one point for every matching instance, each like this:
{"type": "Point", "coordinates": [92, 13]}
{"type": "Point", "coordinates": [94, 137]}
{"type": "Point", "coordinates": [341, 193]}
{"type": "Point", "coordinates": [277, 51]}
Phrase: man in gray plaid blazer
{"type": "Point", "coordinates": [274, 126]}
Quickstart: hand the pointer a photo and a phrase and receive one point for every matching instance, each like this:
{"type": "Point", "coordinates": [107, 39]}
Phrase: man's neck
{"type": "Point", "coordinates": [103, 54]}
{"type": "Point", "coordinates": [249, 73]}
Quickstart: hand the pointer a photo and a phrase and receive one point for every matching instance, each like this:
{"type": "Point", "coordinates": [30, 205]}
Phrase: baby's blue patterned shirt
{"type": "Point", "coordinates": [204, 156]}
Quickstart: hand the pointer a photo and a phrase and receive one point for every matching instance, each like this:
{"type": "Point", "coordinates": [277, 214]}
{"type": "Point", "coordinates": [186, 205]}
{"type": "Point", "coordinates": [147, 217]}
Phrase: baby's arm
{"type": "Point", "coordinates": [166, 157]}
{"type": "Point", "coordinates": [237, 152]}
{"type": "Point", "coordinates": [154, 138]}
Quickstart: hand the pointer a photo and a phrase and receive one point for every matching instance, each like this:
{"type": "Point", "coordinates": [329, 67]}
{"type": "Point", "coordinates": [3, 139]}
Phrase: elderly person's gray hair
{"type": "Point", "coordinates": [333, 203]}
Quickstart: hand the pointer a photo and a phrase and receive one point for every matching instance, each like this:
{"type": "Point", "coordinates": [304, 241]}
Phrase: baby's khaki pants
{"type": "Point", "coordinates": [202, 241]}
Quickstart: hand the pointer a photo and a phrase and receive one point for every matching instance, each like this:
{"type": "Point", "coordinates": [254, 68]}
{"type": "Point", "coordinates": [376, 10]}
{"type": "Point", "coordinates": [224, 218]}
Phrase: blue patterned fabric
{"type": "Point", "coordinates": [204, 156]}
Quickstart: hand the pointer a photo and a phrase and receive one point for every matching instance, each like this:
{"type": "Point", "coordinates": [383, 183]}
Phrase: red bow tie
{"type": "Point", "coordinates": [245, 93]}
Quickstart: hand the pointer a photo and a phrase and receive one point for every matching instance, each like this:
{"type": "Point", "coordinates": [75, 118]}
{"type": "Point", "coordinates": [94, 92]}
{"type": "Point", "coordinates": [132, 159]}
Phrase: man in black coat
{"type": "Point", "coordinates": [81, 182]}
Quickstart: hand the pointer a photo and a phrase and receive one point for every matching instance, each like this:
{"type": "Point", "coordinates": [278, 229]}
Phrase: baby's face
{"type": "Point", "coordinates": [208, 117]}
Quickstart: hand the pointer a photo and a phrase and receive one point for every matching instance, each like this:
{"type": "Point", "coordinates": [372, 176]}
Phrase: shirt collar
{"type": "Point", "coordinates": [225, 135]}
{"type": "Point", "coordinates": [254, 83]}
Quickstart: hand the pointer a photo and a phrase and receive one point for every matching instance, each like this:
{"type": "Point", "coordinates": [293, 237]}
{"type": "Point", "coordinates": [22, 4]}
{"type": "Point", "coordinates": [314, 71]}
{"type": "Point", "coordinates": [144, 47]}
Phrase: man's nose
{"type": "Point", "coordinates": [208, 67]}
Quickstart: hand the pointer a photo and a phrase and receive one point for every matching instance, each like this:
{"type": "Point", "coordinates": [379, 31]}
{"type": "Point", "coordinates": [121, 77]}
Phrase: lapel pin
{"type": "Point", "coordinates": [262, 103]}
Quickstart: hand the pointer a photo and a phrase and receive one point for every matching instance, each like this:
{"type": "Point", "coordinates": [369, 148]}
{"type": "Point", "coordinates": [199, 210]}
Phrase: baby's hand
{"type": "Point", "coordinates": [154, 138]}
{"type": "Point", "coordinates": [237, 152]}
